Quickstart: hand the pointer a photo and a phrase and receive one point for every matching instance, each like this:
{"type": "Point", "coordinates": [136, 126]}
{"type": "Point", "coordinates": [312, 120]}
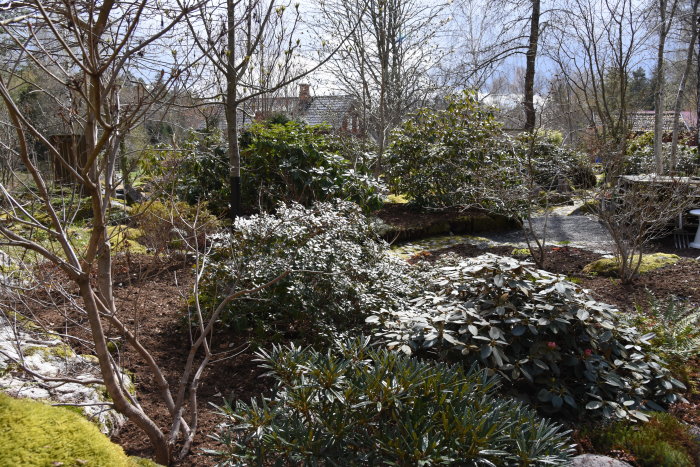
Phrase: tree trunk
{"type": "Point", "coordinates": [665, 19]}
{"type": "Point", "coordinates": [684, 80]}
{"type": "Point", "coordinates": [697, 95]}
{"type": "Point", "coordinates": [530, 57]}
{"type": "Point", "coordinates": [382, 19]}
{"type": "Point", "coordinates": [234, 154]}
{"type": "Point", "coordinates": [121, 403]}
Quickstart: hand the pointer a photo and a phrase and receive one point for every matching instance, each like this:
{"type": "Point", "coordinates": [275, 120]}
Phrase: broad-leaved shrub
{"type": "Point", "coordinates": [545, 335]}
{"type": "Point", "coordinates": [444, 158]}
{"type": "Point", "coordinates": [553, 164]}
{"type": "Point", "coordinates": [340, 271]}
{"type": "Point", "coordinates": [173, 225]}
{"type": "Point", "coordinates": [640, 156]}
{"type": "Point", "coordinates": [358, 406]}
{"type": "Point", "coordinates": [295, 162]}
{"type": "Point", "coordinates": [203, 171]}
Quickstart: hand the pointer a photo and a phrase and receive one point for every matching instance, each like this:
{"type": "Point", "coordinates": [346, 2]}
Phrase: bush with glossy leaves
{"type": "Point", "coordinates": [203, 170]}
{"type": "Point", "coordinates": [358, 406]}
{"type": "Point", "coordinates": [554, 165]}
{"type": "Point", "coordinates": [295, 162]}
{"type": "Point", "coordinates": [640, 156]}
{"type": "Point", "coordinates": [450, 157]}
{"type": "Point", "coordinates": [282, 161]}
{"type": "Point", "coordinates": [340, 271]}
{"type": "Point", "coordinates": [543, 334]}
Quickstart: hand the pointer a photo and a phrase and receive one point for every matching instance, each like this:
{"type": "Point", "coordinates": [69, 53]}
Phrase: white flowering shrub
{"type": "Point", "coordinates": [340, 271]}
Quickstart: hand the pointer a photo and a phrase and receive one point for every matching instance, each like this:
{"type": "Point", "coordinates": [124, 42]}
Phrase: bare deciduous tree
{"type": "Point", "coordinates": [666, 13]}
{"type": "Point", "coordinates": [386, 61]}
{"type": "Point", "coordinates": [89, 50]}
{"type": "Point", "coordinates": [691, 20]}
{"type": "Point", "coordinates": [596, 45]}
{"type": "Point", "coordinates": [636, 211]}
{"type": "Point", "coordinates": [531, 58]}
{"type": "Point", "coordinates": [254, 48]}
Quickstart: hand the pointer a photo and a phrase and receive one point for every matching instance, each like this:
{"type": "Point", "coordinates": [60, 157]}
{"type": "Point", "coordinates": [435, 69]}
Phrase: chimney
{"type": "Point", "coordinates": [304, 93]}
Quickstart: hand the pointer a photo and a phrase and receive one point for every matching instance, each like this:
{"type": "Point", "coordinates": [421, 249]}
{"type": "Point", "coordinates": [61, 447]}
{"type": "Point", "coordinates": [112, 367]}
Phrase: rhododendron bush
{"type": "Point", "coordinates": [545, 335]}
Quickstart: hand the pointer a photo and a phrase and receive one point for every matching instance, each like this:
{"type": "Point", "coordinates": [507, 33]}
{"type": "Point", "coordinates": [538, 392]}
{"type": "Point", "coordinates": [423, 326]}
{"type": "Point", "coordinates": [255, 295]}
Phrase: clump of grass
{"type": "Point", "coordinates": [662, 441]}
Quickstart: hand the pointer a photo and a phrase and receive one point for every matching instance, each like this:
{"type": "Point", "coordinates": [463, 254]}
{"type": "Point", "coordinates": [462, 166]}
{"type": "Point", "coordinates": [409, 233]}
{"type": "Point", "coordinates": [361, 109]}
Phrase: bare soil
{"type": "Point", "coordinates": [152, 299]}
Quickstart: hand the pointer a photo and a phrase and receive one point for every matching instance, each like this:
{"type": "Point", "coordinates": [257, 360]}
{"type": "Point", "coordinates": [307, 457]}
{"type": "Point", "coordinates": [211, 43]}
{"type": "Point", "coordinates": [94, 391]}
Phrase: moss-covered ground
{"type": "Point", "coordinates": [36, 434]}
{"type": "Point", "coordinates": [611, 267]}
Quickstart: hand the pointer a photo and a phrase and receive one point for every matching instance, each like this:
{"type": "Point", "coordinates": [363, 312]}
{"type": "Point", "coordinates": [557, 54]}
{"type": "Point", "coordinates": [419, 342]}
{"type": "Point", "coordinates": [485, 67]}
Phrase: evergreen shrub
{"type": "Point", "coordinates": [356, 406]}
{"type": "Point", "coordinates": [546, 336]}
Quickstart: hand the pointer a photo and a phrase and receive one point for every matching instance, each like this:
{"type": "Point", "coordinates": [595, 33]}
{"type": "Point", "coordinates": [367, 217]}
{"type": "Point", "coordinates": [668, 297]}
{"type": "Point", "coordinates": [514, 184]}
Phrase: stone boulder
{"type": "Point", "coordinates": [596, 460]}
{"type": "Point", "coordinates": [49, 356]}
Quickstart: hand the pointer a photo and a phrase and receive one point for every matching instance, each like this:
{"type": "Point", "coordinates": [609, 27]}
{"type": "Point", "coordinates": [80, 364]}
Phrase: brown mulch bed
{"type": "Point", "coordinates": [152, 298]}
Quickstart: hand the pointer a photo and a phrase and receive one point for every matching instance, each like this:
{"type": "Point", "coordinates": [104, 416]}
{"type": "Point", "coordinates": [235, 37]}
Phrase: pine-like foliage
{"type": "Point", "coordinates": [358, 406]}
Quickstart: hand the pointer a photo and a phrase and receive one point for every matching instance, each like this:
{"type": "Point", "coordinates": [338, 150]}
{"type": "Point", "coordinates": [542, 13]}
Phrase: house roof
{"type": "Point", "coordinates": [326, 109]}
{"type": "Point", "coordinates": [313, 110]}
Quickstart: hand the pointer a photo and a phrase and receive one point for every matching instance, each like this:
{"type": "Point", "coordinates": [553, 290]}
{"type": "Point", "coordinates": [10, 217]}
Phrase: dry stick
{"type": "Point", "coordinates": [161, 382]}
{"type": "Point", "coordinates": [202, 339]}
{"type": "Point", "coordinates": [87, 404]}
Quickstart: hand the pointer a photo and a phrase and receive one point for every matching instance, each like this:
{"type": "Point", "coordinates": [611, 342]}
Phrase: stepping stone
{"type": "Point", "coordinates": [596, 460]}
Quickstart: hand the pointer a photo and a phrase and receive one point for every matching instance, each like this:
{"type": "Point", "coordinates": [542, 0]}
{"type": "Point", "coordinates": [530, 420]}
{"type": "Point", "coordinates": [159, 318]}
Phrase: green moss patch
{"type": "Point", "coordinates": [125, 239]}
{"type": "Point", "coordinates": [61, 351]}
{"type": "Point", "coordinates": [520, 252]}
{"type": "Point", "coordinates": [611, 267]}
{"type": "Point", "coordinates": [663, 441]}
{"type": "Point", "coordinates": [36, 434]}
{"type": "Point", "coordinates": [396, 199]}
{"type": "Point", "coordinates": [589, 207]}
{"type": "Point", "coordinates": [122, 239]}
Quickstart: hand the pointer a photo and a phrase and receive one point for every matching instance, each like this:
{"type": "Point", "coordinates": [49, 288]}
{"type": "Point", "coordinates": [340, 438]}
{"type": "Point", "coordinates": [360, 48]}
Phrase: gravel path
{"type": "Point", "coordinates": [580, 231]}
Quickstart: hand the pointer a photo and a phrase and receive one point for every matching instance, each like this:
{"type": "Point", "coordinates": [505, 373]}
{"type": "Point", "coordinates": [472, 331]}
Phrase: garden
{"type": "Point", "coordinates": [356, 316]}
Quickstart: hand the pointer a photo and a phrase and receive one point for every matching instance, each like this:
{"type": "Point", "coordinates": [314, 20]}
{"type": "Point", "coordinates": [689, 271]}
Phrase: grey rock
{"type": "Point", "coordinates": [119, 206]}
{"type": "Point", "coordinates": [694, 432]}
{"type": "Point", "coordinates": [596, 460]}
{"type": "Point", "coordinates": [48, 356]}
{"type": "Point", "coordinates": [133, 196]}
